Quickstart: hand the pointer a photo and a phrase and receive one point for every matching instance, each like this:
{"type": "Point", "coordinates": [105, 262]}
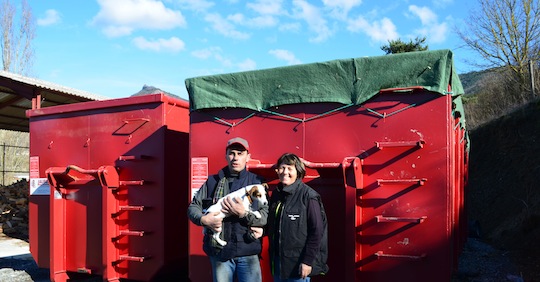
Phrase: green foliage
{"type": "Point", "coordinates": [491, 94]}
{"type": "Point", "coordinates": [398, 46]}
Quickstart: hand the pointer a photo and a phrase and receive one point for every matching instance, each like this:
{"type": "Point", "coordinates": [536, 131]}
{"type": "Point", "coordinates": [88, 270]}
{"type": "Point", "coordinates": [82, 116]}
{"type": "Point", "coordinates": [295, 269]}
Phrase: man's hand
{"type": "Point", "coordinates": [233, 206]}
{"type": "Point", "coordinates": [305, 270]}
{"type": "Point", "coordinates": [212, 221]}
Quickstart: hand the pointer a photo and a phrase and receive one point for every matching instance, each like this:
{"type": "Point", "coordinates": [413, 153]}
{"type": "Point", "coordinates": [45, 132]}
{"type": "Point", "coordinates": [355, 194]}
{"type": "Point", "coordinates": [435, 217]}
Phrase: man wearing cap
{"type": "Point", "coordinates": [240, 257]}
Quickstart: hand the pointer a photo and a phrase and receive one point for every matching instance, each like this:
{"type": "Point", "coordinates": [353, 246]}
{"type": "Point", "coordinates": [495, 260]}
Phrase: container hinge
{"type": "Point", "coordinates": [128, 233]}
{"type": "Point", "coordinates": [382, 145]}
{"type": "Point", "coordinates": [381, 218]}
{"type": "Point", "coordinates": [419, 181]}
{"type": "Point", "coordinates": [381, 255]}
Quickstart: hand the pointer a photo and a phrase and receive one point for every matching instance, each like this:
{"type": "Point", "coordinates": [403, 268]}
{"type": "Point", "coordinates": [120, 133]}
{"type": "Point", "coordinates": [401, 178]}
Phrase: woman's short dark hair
{"type": "Point", "coordinates": [294, 160]}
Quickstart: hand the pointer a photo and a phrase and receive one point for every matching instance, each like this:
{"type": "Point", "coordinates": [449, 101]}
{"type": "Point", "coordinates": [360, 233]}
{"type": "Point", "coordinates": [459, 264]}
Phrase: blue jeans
{"type": "Point", "coordinates": [277, 271]}
{"type": "Point", "coordinates": [246, 269]}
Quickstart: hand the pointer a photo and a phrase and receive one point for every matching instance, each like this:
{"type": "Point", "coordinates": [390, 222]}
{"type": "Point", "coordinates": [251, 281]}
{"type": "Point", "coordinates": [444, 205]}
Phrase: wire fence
{"type": "Point", "coordinates": [14, 163]}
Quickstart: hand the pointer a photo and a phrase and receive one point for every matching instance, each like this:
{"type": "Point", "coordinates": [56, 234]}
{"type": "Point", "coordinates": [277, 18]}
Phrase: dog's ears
{"type": "Point", "coordinates": [253, 189]}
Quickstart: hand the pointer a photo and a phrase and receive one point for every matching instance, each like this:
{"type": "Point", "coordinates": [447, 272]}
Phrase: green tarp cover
{"type": "Point", "coordinates": [347, 81]}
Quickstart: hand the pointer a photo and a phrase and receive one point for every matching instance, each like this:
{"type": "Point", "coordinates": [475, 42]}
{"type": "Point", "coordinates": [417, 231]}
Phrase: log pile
{"type": "Point", "coordinates": [14, 209]}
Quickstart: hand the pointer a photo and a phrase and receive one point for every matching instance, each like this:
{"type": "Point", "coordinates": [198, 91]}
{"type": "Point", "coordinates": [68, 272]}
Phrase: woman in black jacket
{"type": "Point", "coordinates": [297, 225]}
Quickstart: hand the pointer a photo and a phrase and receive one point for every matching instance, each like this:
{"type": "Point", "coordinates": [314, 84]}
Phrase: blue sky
{"type": "Point", "coordinates": [114, 47]}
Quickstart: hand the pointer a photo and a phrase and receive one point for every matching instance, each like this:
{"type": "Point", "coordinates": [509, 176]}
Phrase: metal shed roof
{"type": "Point", "coordinates": [18, 93]}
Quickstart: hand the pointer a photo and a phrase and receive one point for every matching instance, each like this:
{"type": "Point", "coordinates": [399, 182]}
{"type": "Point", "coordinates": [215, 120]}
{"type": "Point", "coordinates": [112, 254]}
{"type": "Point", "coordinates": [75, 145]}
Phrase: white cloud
{"type": "Point", "coordinates": [434, 31]}
{"type": "Point", "coordinates": [51, 17]}
{"type": "Point", "coordinates": [294, 27]}
{"type": "Point", "coordinates": [340, 8]}
{"type": "Point", "coordinates": [216, 54]}
{"type": "Point", "coordinates": [172, 44]}
{"type": "Point", "coordinates": [426, 16]}
{"type": "Point", "coordinates": [247, 64]}
{"type": "Point", "coordinates": [256, 22]}
{"type": "Point", "coordinates": [285, 55]}
{"type": "Point", "coordinates": [378, 31]}
{"type": "Point", "coordinates": [196, 5]}
{"type": "Point", "coordinates": [313, 18]}
{"type": "Point", "coordinates": [262, 21]}
{"type": "Point", "coordinates": [206, 53]}
{"type": "Point", "coordinates": [442, 3]}
{"type": "Point", "coordinates": [122, 17]}
{"type": "Point", "coordinates": [224, 27]}
{"type": "Point", "coordinates": [267, 7]}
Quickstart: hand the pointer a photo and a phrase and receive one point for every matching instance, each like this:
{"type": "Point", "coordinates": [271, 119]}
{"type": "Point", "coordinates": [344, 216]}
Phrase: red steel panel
{"type": "Point", "coordinates": [144, 140]}
{"type": "Point", "coordinates": [390, 220]}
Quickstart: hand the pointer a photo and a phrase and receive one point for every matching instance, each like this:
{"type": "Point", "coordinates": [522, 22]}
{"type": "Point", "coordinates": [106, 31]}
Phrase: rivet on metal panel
{"type": "Point", "coordinates": [87, 143]}
{"type": "Point", "coordinates": [50, 145]}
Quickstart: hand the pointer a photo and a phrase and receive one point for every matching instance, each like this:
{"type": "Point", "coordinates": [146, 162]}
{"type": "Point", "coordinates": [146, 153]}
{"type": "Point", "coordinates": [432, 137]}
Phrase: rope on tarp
{"type": "Point", "coordinates": [385, 115]}
{"type": "Point", "coordinates": [308, 119]}
{"type": "Point", "coordinates": [382, 115]}
{"type": "Point", "coordinates": [232, 124]}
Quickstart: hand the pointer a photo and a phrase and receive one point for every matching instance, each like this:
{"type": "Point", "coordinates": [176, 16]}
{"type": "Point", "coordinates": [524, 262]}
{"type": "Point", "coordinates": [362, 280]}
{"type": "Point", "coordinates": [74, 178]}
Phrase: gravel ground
{"type": "Point", "coordinates": [479, 262]}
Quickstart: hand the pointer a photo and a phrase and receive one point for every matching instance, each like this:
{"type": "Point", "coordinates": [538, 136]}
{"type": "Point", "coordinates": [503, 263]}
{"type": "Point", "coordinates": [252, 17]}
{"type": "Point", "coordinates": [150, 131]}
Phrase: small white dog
{"type": "Point", "coordinates": [252, 197]}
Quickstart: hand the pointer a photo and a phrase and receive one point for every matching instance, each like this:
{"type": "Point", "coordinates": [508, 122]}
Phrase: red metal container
{"type": "Point", "coordinates": [108, 188]}
{"type": "Point", "coordinates": [391, 169]}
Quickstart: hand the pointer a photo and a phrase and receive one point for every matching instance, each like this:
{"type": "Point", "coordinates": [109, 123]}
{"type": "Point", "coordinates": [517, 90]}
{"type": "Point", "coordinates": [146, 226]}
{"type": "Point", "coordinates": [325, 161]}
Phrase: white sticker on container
{"type": "Point", "coordinates": [39, 186]}
{"type": "Point", "coordinates": [199, 173]}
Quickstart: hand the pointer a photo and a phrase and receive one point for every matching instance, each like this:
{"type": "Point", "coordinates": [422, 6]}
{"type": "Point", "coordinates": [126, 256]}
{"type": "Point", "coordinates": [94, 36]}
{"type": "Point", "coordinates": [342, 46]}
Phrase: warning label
{"type": "Point", "coordinates": [39, 186]}
{"type": "Point", "coordinates": [199, 173]}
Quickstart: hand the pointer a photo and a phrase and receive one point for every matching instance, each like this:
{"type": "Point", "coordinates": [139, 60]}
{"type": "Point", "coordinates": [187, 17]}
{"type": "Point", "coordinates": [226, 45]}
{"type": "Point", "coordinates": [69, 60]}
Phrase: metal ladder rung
{"type": "Point", "coordinates": [382, 145]}
{"type": "Point", "coordinates": [130, 258]}
{"type": "Point", "coordinates": [420, 181]}
{"type": "Point", "coordinates": [381, 254]}
{"type": "Point", "coordinates": [131, 182]}
{"type": "Point", "coordinates": [381, 218]}
{"type": "Point", "coordinates": [128, 233]}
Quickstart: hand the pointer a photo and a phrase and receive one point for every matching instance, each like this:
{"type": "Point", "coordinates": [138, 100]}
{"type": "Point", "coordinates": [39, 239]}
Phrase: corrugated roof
{"type": "Point", "coordinates": [51, 86]}
{"type": "Point", "coordinates": [17, 92]}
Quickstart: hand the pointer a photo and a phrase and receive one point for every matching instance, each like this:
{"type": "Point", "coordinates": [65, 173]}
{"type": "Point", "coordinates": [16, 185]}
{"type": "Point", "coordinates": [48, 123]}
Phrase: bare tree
{"type": "Point", "coordinates": [16, 41]}
{"type": "Point", "coordinates": [505, 33]}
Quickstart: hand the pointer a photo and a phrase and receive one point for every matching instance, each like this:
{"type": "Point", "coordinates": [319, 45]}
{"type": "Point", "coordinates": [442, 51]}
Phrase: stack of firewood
{"type": "Point", "coordinates": [14, 209]}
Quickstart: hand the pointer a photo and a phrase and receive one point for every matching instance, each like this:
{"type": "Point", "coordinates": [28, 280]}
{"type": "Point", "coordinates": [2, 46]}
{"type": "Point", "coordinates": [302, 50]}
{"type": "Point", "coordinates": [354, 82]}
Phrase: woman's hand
{"type": "Point", "coordinates": [257, 232]}
{"type": "Point", "coordinates": [305, 270]}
